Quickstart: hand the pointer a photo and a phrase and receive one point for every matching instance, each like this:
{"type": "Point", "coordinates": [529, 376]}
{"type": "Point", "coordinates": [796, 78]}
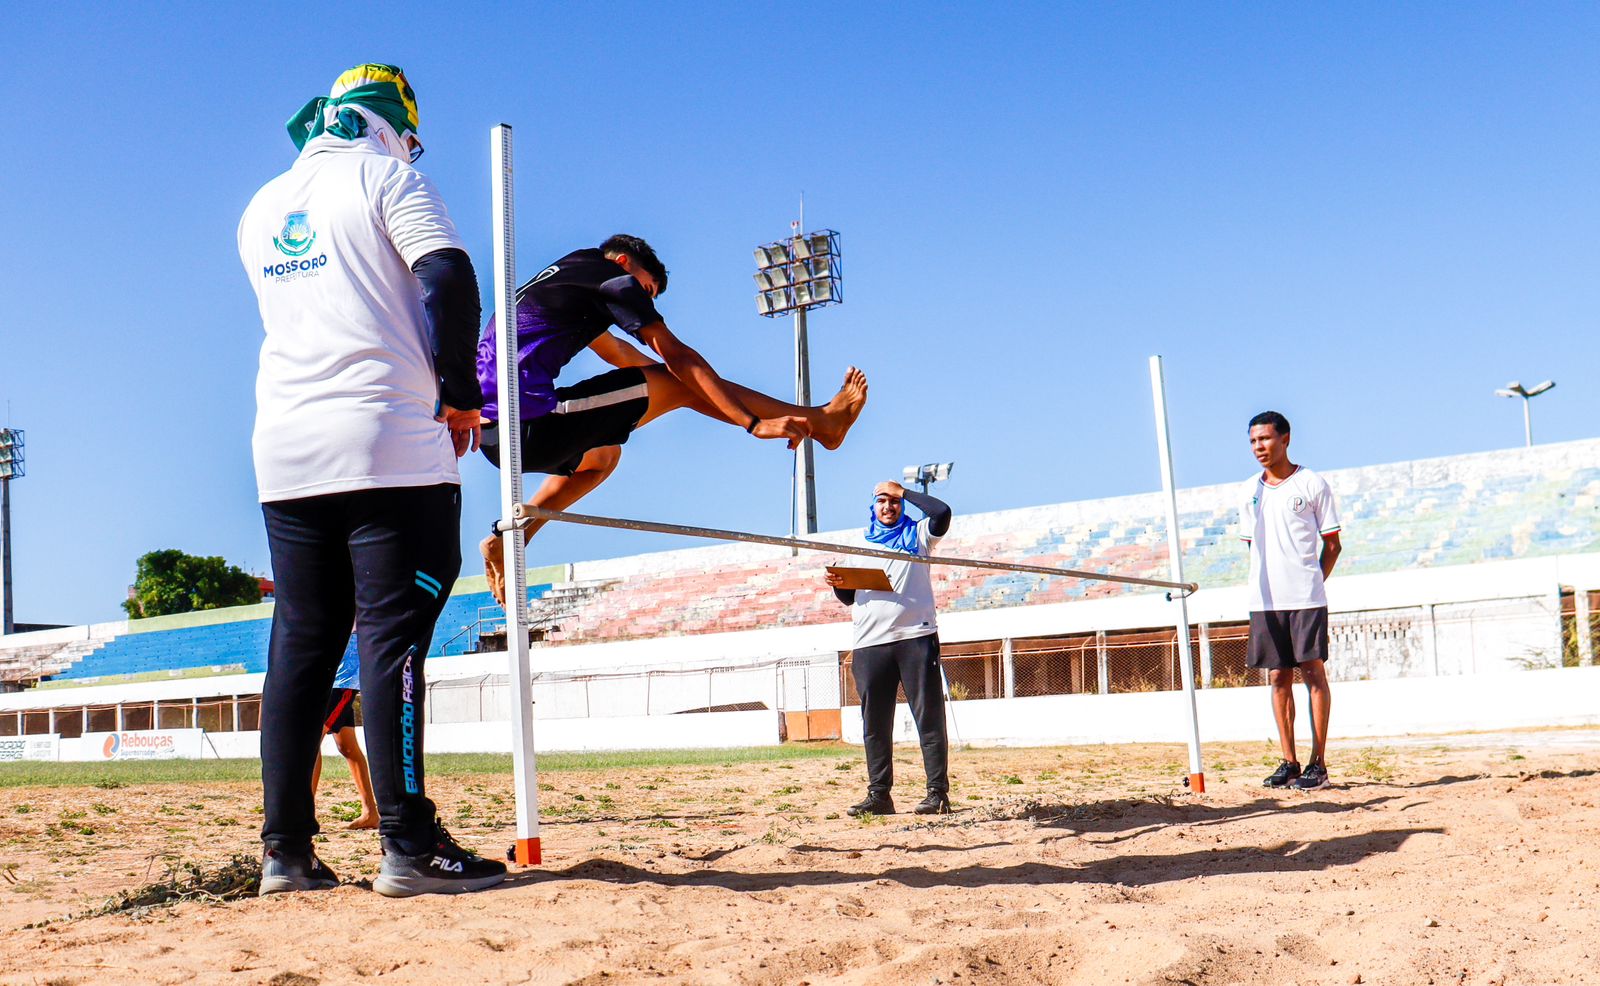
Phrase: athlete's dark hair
{"type": "Point", "coordinates": [639, 250]}
{"type": "Point", "coordinates": [1279, 423]}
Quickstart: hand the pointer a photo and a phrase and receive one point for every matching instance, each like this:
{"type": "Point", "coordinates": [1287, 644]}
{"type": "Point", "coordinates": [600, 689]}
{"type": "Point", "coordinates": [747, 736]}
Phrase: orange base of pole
{"type": "Point", "coordinates": [526, 852]}
{"type": "Point", "coordinates": [1197, 783]}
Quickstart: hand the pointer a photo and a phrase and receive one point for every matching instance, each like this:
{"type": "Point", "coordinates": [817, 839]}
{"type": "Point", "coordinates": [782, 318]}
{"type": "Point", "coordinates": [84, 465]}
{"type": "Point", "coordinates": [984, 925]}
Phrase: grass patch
{"type": "Point", "coordinates": [1374, 763]}
{"type": "Point", "coordinates": [117, 774]}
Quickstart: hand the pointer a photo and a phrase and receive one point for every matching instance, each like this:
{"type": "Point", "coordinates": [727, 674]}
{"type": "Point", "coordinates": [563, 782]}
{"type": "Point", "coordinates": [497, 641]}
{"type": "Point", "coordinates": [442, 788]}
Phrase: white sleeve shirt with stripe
{"type": "Point", "coordinates": [1284, 526]}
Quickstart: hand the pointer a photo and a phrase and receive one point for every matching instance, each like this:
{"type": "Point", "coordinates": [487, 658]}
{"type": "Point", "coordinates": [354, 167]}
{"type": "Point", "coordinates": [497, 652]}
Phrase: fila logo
{"type": "Point", "coordinates": [448, 865]}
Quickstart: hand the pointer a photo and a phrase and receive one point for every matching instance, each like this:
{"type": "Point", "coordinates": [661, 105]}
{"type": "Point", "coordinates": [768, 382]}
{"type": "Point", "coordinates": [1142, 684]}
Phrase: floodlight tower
{"type": "Point", "coordinates": [927, 474]}
{"type": "Point", "coordinates": [12, 466]}
{"type": "Point", "coordinates": [794, 276]}
{"type": "Point", "coordinates": [1516, 389]}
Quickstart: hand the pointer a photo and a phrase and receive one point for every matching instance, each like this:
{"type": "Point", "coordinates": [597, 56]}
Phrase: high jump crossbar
{"type": "Point", "coordinates": [525, 513]}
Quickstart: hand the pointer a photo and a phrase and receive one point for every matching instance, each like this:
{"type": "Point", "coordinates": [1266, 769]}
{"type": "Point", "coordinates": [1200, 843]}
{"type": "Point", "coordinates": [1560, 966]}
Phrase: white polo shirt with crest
{"type": "Point", "coordinates": [1284, 526]}
{"type": "Point", "coordinates": [346, 391]}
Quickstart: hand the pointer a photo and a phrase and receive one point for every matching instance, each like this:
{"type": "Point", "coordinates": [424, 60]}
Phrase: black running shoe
{"type": "Point", "coordinates": [877, 803]}
{"type": "Point", "coordinates": [1315, 778]}
{"type": "Point", "coordinates": [1285, 775]}
{"type": "Point", "coordinates": [936, 803]}
{"type": "Point", "coordinates": [283, 871]}
{"type": "Point", "coordinates": [445, 869]}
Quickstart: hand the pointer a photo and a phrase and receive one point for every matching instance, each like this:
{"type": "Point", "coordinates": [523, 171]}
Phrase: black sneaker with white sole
{"type": "Point", "coordinates": [1286, 774]}
{"type": "Point", "coordinates": [447, 868]}
{"type": "Point", "coordinates": [283, 871]}
{"type": "Point", "coordinates": [1315, 778]}
{"type": "Point", "coordinates": [875, 803]}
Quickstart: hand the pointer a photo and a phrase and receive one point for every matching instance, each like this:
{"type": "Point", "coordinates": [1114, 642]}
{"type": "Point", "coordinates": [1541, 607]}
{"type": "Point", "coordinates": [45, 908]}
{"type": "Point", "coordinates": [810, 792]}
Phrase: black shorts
{"type": "Point", "coordinates": [341, 711]}
{"type": "Point", "coordinates": [593, 413]}
{"type": "Point", "coordinates": [1284, 638]}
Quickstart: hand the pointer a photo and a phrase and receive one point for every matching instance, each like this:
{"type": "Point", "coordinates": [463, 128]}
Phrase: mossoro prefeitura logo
{"type": "Point", "coordinates": [296, 237]}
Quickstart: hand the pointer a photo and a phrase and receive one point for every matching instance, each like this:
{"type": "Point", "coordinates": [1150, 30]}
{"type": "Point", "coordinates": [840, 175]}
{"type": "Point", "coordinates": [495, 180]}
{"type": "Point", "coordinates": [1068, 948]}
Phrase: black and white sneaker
{"type": "Point", "coordinates": [283, 871]}
{"type": "Point", "coordinates": [1315, 778]}
{"type": "Point", "coordinates": [447, 868]}
{"type": "Point", "coordinates": [1287, 772]}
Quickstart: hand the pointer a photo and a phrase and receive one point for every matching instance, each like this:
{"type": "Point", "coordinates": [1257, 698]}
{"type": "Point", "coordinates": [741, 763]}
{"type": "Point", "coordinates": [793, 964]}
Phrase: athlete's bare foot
{"type": "Point", "coordinates": [493, 550]}
{"type": "Point", "coordinates": [839, 414]}
{"type": "Point", "coordinates": [364, 822]}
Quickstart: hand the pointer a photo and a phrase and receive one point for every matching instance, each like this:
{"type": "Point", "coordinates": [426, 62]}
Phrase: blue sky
{"type": "Point", "coordinates": [1367, 217]}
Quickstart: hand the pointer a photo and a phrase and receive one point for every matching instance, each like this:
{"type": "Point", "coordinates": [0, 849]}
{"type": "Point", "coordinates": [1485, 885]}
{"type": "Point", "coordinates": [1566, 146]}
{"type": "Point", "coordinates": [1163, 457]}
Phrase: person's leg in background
{"type": "Point", "coordinates": [877, 680]}
{"type": "Point", "coordinates": [918, 660]}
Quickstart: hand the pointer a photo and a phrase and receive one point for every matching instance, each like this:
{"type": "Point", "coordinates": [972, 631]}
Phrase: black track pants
{"type": "Point", "coordinates": [913, 664]}
{"type": "Point", "coordinates": [386, 559]}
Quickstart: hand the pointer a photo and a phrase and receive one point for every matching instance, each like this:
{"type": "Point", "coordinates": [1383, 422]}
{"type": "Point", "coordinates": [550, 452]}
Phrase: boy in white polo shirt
{"type": "Point", "coordinates": [1289, 519]}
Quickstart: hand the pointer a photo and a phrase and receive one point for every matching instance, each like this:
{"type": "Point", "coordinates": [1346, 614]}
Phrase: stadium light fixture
{"type": "Point", "coordinates": [13, 465]}
{"type": "Point", "coordinates": [927, 474]}
{"type": "Point", "coordinates": [792, 277]}
{"type": "Point", "coordinates": [809, 258]}
{"type": "Point", "coordinates": [1516, 389]}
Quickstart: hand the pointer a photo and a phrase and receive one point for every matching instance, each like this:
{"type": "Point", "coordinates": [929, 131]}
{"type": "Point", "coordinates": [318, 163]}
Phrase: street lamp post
{"type": "Point", "coordinates": [1515, 389]}
{"type": "Point", "coordinates": [792, 277]}
{"type": "Point", "coordinates": [12, 466]}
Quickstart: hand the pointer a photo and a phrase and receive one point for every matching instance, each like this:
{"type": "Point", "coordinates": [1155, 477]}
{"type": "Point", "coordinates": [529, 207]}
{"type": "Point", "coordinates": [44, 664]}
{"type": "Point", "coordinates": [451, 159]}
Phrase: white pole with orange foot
{"type": "Point", "coordinates": [525, 850]}
{"type": "Point", "coordinates": [1197, 777]}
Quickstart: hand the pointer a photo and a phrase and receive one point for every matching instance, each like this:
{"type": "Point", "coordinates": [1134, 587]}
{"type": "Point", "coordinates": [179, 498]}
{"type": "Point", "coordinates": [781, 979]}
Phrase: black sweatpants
{"type": "Point", "coordinates": [386, 559]}
{"type": "Point", "coordinates": [913, 664]}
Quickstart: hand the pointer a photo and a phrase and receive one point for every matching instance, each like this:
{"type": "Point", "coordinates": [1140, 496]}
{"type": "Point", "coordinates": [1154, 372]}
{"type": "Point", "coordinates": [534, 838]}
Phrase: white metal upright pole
{"type": "Point", "coordinates": [1158, 387]}
{"type": "Point", "coordinates": [524, 768]}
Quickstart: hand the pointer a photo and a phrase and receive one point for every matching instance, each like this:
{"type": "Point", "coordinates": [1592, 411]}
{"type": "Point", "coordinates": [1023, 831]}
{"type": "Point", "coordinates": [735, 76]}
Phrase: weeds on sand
{"type": "Point", "coordinates": [1374, 763]}
{"type": "Point", "coordinates": [238, 878]}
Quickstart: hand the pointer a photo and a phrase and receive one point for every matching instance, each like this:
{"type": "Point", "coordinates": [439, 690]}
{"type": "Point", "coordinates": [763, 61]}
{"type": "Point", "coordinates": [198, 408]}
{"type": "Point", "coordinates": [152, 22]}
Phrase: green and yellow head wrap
{"type": "Point", "coordinates": [379, 89]}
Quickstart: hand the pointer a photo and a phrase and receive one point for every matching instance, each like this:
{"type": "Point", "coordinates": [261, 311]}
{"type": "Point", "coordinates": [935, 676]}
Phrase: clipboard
{"type": "Point", "coordinates": [861, 578]}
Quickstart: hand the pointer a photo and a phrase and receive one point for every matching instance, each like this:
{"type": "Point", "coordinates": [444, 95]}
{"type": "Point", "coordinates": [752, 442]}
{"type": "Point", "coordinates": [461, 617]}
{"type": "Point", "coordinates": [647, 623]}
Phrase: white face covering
{"type": "Point", "coordinates": [404, 147]}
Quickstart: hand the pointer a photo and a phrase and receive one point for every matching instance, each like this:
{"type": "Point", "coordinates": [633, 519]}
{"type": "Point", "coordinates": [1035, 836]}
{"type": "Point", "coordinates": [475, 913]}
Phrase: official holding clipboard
{"type": "Point", "coordinates": [896, 644]}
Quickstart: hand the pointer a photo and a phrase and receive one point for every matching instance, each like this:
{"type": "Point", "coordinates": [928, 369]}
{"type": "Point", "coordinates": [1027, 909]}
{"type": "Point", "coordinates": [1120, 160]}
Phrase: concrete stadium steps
{"type": "Point", "coordinates": [24, 666]}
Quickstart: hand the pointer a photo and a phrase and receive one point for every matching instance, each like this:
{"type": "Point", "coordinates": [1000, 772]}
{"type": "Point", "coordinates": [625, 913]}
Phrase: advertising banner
{"type": "Point", "coordinates": [46, 747]}
{"type": "Point", "coordinates": [145, 744]}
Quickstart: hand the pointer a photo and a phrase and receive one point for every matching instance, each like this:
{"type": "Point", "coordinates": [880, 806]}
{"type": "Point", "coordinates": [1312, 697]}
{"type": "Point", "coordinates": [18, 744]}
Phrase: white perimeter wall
{"type": "Point", "coordinates": [685, 732]}
{"type": "Point", "coordinates": [1395, 707]}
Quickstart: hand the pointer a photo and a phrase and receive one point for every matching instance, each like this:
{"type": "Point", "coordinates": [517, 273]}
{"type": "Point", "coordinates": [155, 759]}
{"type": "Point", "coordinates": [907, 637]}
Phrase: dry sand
{"type": "Point", "coordinates": [1424, 864]}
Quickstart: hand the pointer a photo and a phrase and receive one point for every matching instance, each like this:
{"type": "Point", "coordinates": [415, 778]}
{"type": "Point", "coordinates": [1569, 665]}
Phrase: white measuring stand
{"type": "Point", "coordinates": [1158, 387]}
{"type": "Point", "coordinates": [524, 768]}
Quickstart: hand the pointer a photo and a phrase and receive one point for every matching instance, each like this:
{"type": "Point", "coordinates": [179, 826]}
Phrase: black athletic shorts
{"type": "Point", "coordinates": [594, 413]}
{"type": "Point", "coordinates": [1284, 638]}
{"type": "Point", "coordinates": [341, 711]}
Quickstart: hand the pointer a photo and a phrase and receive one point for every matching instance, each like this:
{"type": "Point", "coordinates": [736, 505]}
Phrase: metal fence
{"type": "Point", "coordinates": [789, 684]}
{"type": "Point", "coordinates": [1442, 639]}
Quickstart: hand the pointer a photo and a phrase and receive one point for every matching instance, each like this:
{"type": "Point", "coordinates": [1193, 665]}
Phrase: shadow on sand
{"type": "Point", "coordinates": [1134, 870]}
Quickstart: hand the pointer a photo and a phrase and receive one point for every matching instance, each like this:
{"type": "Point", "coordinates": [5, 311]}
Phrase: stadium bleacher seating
{"type": "Point", "coordinates": [1459, 510]}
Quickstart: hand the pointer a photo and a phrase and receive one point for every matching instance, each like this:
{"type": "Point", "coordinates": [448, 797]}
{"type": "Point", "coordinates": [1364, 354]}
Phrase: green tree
{"type": "Point", "coordinates": [170, 581]}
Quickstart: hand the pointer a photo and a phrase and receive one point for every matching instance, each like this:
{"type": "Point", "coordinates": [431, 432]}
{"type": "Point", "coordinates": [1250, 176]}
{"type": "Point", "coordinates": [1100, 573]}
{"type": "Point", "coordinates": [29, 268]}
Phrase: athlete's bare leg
{"type": "Point", "coordinates": [829, 422]}
{"type": "Point", "coordinates": [1282, 681]}
{"type": "Point", "coordinates": [351, 750]}
{"type": "Point", "coordinates": [555, 493]}
{"type": "Point", "coordinates": [1315, 675]}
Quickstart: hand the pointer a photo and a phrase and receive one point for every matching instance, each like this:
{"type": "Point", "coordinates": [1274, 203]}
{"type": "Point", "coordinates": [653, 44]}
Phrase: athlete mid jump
{"type": "Point", "coordinates": [575, 433]}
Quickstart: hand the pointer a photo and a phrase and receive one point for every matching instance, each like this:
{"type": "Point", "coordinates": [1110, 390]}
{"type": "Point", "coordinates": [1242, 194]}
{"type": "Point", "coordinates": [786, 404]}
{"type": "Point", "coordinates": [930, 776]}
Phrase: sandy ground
{"type": "Point", "coordinates": [1456, 862]}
